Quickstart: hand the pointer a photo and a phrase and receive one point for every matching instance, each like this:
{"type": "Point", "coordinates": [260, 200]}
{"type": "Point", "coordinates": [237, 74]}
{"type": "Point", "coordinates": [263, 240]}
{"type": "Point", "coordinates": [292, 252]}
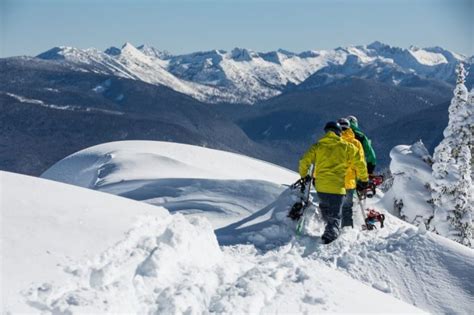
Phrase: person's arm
{"type": "Point", "coordinates": [358, 161]}
{"type": "Point", "coordinates": [308, 158]}
{"type": "Point", "coordinates": [360, 166]}
{"type": "Point", "coordinates": [370, 156]}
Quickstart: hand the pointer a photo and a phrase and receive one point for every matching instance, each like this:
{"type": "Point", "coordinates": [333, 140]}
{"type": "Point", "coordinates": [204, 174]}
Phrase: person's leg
{"type": "Point", "coordinates": [331, 210]}
{"type": "Point", "coordinates": [347, 206]}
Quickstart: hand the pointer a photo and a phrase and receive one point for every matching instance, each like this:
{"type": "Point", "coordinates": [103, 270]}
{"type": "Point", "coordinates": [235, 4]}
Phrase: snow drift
{"type": "Point", "coordinates": [95, 252]}
{"type": "Point", "coordinates": [406, 262]}
{"type": "Point", "coordinates": [220, 185]}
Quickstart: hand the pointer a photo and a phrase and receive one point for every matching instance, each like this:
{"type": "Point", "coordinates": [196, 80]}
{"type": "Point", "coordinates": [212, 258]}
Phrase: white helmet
{"type": "Point", "coordinates": [353, 120]}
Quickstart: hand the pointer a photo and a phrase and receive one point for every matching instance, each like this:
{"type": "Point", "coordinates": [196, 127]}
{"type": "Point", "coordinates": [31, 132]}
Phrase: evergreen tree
{"type": "Point", "coordinates": [453, 190]}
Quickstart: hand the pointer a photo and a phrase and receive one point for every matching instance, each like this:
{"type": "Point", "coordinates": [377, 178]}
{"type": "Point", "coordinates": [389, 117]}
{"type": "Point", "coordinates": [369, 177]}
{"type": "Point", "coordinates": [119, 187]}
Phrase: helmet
{"type": "Point", "coordinates": [334, 127]}
{"type": "Point", "coordinates": [344, 123]}
{"type": "Point", "coordinates": [353, 120]}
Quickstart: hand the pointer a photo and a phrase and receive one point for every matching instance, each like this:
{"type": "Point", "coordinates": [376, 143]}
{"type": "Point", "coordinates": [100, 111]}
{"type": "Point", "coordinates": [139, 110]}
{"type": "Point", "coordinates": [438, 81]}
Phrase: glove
{"type": "Point", "coordinates": [361, 186]}
{"type": "Point", "coordinates": [306, 179]}
{"type": "Point", "coordinates": [370, 168]}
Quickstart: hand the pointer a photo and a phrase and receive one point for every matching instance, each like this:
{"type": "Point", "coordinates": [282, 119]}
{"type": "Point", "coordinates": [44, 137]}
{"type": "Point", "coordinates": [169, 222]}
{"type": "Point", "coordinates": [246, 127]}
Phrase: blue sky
{"type": "Point", "coordinates": [28, 27]}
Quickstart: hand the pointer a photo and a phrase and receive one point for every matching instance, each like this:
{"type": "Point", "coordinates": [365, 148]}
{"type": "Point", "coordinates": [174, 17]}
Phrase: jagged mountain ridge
{"type": "Point", "coordinates": [245, 76]}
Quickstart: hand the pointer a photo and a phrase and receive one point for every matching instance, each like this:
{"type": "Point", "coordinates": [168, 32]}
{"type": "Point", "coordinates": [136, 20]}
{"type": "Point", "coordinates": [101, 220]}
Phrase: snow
{"type": "Point", "coordinates": [428, 58]}
{"type": "Point", "coordinates": [409, 263]}
{"type": "Point", "coordinates": [76, 108]}
{"type": "Point", "coordinates": [254, 263]}
{"type": "Point", "coordinates": [147, 261]}
{"type": "Point", "coordinates": [452, 169]}
{"type": "Point", "coordinates": [244, 76]}
{"type": "Point", "coordinates": [219, 185]}
{"type": "Point", "coordinates": [46, 226]}
{"type": "Point", "coordinates": [409, 195]}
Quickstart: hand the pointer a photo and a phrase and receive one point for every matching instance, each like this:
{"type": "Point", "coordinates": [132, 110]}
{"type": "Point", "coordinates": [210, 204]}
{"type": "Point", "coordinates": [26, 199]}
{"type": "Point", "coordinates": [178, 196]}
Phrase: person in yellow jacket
{"type": "Point", "coordinates": [331, 157]}
{"type": "Point", "coordinates": [352, 173]}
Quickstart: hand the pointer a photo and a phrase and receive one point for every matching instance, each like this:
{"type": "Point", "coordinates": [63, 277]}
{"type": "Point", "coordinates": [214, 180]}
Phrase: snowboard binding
{"type": "Point", "coordinates": [298, 208]}
{"type": "Point", "coordinates": [373, 217]}
{"type": "Point", "coordinates": [296, 211]}
{"type": "Point", "coordinates": [374, 182]}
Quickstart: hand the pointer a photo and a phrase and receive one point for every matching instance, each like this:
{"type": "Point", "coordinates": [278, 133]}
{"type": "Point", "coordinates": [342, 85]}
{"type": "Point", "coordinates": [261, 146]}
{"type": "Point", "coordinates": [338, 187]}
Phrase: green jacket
{"type": "Point", "coordinates": [370, 156]}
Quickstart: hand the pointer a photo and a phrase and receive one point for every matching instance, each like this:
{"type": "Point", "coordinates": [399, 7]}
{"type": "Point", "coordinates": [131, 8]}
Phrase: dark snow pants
{"type": "Point", "coordinates": [347, 206]}
{"type": "Point", "coordinates": [331, 211]}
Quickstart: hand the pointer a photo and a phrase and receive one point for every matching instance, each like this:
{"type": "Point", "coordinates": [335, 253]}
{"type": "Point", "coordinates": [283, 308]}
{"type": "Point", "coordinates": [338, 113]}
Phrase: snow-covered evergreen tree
{"type": "Point", "coordinates": [453, 190]}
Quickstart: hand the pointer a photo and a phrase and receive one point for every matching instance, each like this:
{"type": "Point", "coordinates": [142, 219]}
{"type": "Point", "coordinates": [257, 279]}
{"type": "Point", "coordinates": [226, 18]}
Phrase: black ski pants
{"type": "Point", "coordinates": [347, 206]}
{"type": "Point", "coordinates": [331, 211]}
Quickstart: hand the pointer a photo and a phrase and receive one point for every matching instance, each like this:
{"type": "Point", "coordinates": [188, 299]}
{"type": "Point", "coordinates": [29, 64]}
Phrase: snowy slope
{"type": "Point", "coordinates": [47, 226]}
{"type": "Point", "coordinates": [419, 268]}
{"type": "Point", "coordinates": [190, 179]}
{"type": "Point", "coordinates": [96, 253]}
{"type": "Point", "coordinates": [127, 62]}
{"type": "Point", "coordinates": [245, 76]}
{"type": "Point", "coordinates": [409, 195]}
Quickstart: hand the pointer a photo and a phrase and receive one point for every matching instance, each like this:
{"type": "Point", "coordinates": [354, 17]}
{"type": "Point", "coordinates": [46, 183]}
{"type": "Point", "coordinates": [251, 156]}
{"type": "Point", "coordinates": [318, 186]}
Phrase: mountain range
{"type": "Point", "coordinates": [245, 76]}
{"type": "Point", "coordinates": [66, 99]}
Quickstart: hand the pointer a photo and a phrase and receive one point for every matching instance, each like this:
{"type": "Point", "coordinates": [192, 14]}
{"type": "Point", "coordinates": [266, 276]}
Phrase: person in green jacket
{"type": "Point", "coordinates": [332, 156]}
{"type": "Point", "coordinates": [370, 156]}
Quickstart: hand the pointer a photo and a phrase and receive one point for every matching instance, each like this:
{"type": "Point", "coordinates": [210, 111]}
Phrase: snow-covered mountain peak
{"type": "Point", "coordinates": [426, 57]}
{"type": "Point", "coordinates": [449, 55]}
{"type": "Point", "coordinates": [309, 54]}
{"type": "Point", "coordinates": [128, 45]}
{"type": "Point", "coordinates": [377, 45]}
{"type": "Point", "coordinates": [55, 53]}
{"type": "Point", "coordinates": [273, 56]}
{"type": "Point", "coordinates": [154, 52]}
{"type": "Point", "coordinates": [131, 51]}
{"type": "Point", "coordinates": [242, 54]}
{"type": "Point", "coordinates": [246, 76]}
{"type": "Point", "coordinates": [113, 51]}
{"type": "Point", "coordinates": [62, 52]}
{"type": "Point", "coordinates": [360, 53]}
{"type": "Point", "coordinates": [286, 52]}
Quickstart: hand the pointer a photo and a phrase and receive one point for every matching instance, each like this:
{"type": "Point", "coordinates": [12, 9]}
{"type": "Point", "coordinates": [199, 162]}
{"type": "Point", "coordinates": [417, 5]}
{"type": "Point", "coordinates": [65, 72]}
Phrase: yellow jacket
{"type": "Point", "coordinates": [352, 174]}
{"type": "Point", "coordinates": [332, 156]}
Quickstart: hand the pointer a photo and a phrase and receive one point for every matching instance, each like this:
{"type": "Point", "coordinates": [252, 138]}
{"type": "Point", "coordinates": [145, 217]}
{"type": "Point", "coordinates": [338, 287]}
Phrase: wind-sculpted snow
{"type": "Point", "coordinates": [47, 226]}
{"type": "Point", "coordinates": [409, 196]}
{"type": "Point", "coordinates": [267, 228]}
{"type": "Point", "coordinates": [408, 263]}
{"type": "Point", "coordinates": [188, 179]}
{"type": "Point", "coordinates": [417, 267]}
{"type": "Point", "coordinates": [263, 266]}
{"type": "Point", "coordinates": [67, 250]}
